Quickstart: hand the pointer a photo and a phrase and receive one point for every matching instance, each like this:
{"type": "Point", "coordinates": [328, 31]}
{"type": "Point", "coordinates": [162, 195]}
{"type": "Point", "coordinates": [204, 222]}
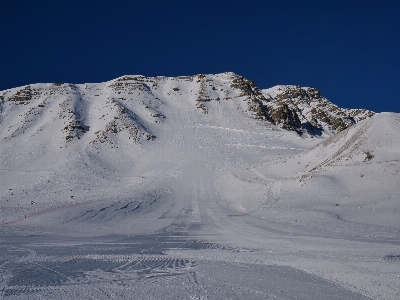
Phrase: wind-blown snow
{"type": "Point", "coordinates": [178, 188]}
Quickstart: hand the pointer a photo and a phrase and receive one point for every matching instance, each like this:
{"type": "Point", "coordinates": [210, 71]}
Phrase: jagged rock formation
{"type": "Point", "coordinates": [306, 110]}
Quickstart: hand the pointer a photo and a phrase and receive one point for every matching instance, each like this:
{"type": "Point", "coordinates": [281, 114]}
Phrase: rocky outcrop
{"type": "Point", "coordinates": [255, 99]}
{"type": "Point", "coordinates": [305, 110]}
{"type": "Point", "coordinates": [22, 96]}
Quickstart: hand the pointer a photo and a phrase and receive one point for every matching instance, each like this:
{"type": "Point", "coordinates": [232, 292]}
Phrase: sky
{"type": "Point", "coordinates": [349, 50]}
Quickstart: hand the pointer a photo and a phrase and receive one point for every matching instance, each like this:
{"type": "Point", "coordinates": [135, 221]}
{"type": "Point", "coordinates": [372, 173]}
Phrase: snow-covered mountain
{"type": "Point", "coordinates": [132, 107]}
{"type": "Point", "coordinates": [190, 173]}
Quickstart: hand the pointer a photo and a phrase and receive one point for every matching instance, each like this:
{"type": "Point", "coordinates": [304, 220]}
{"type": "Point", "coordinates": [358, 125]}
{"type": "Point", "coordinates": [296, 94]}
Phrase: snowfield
{"type": "Point", "coordinates": [196, 187]}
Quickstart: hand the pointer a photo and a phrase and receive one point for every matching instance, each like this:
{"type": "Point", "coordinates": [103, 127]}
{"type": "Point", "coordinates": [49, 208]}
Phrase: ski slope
{"type": "Point", "coordinates": [176, 188]}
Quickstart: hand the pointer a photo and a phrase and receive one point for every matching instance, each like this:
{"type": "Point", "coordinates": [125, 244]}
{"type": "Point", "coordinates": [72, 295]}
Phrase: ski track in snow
{"type": "Point", "coordinates": [206, 210]}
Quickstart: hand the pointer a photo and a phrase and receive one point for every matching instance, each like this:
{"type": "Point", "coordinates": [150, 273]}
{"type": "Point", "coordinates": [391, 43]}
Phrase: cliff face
{"type": "Point", "coordinates": [306, 110]}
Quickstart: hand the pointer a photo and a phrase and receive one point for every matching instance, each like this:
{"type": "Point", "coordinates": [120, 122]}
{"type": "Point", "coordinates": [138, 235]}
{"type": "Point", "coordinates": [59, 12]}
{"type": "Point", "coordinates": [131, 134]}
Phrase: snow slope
{"type": "Point", "coordinates": [141, 187]}
{"type": "Point", "coordinates": [351, 175]}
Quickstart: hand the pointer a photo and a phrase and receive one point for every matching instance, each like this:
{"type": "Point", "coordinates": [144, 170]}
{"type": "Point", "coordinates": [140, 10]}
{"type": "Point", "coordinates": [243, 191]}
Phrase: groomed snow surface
{"type": "Point", "coordinates": [217, 206]}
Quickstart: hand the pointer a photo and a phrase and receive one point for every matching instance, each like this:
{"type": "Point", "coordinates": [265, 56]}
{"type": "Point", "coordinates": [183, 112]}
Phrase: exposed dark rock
{"type": "Point", "coordinates": [23, 96]}
{"type": "Point", "coordinates": [306, 110]}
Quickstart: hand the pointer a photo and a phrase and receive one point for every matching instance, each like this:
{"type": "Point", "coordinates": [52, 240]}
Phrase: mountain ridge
{"type": "Point", "coordinates": [134, 103]}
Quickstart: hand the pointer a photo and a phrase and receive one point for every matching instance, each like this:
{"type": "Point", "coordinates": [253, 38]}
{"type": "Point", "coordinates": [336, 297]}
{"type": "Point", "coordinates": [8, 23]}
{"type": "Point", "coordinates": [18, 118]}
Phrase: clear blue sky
{"type": "Point", "coordinates": [349, 50]}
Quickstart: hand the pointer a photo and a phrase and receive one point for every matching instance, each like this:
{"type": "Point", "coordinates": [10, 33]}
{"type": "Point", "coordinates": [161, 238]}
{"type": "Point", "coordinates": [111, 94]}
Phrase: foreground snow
{"type": "Point", "coordinates": [219, 205]}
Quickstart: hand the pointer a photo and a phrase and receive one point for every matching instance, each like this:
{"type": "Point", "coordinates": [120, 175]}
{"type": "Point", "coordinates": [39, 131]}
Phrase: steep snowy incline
{"type": "Point", "coordinates": [351, 176]}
